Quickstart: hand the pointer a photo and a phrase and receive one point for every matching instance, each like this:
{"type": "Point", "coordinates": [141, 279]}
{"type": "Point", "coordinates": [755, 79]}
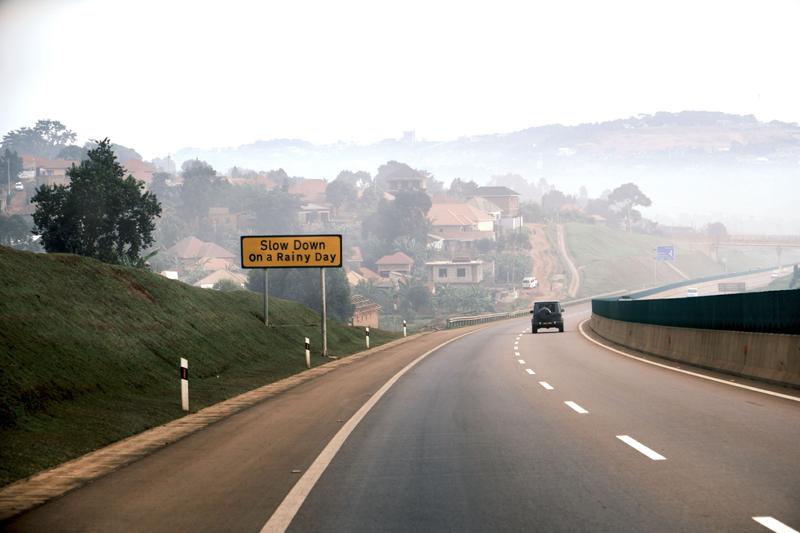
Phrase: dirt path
{"type": "Point", "coordinates": [545, 264]}
{"type": "Point", "coordinates": [574, 277]}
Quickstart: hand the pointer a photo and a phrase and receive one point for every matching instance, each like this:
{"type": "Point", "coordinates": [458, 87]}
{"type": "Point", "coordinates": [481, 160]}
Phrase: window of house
{"type": "Point", "coordinates": [442, 272]}
{"type": "Point", "coordinates": [461, 272]}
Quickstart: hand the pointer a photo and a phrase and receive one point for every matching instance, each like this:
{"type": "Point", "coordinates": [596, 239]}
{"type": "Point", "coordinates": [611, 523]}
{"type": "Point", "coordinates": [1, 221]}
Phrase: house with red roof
{"type": "Point", "coordinates": [396, 262]}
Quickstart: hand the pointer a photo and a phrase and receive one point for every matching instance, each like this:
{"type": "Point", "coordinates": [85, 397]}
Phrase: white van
{"type": "Point", "coordinates": [691, 292]}
{"type": "Point", "coordinates": [530, 283]}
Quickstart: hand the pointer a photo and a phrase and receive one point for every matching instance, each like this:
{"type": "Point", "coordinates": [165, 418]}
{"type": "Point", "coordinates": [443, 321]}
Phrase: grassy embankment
{"type": "Point", "coordinates": [89, 353]}
{"type": "Point", "coordinates": [612, 260]}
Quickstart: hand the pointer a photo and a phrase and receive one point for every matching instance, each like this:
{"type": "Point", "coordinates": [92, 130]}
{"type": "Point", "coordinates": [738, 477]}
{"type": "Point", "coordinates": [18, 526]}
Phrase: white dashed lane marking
{"type": "Point", "coordinates": [516, 353]}
{"type": "Point", "coordinates": [520, 361]}
{"type": "Point", "coordinates": [529, 371]}
{"type": "Point", "coordinates": [774, 525]}
{"type": "Point", "coordinates": [577, 408]}
{"type": "Point", "coordinates": [641, 448]}
{"type": "Point", "coordinates": [546, 385]}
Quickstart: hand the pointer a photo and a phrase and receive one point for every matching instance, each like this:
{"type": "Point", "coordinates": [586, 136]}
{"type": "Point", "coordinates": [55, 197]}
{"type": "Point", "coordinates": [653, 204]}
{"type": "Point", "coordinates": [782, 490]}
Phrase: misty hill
{"type": "Point", "coordinates": [682, 160]}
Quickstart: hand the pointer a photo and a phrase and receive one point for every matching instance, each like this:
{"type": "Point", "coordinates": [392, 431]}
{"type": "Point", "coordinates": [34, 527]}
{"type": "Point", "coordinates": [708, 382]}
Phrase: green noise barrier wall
{"type": "Point", "coordinates": [764, 312]}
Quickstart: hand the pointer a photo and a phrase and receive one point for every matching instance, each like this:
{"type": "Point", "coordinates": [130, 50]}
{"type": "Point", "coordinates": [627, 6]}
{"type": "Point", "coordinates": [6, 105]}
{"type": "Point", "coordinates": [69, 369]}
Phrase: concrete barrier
{"type": "Point", "coordinates": [769, 357]}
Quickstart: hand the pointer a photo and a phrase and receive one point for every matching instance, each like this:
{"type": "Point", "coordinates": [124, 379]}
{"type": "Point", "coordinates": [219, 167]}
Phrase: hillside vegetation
{"type": "Point", "coordinates": [611, 259]}
{"type": "Point", "coordinates": [90, 352]}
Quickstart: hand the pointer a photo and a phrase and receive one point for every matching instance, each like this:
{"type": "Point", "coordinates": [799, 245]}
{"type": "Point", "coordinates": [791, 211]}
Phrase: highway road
{"type": "Point", "coordinates": [499, 430]}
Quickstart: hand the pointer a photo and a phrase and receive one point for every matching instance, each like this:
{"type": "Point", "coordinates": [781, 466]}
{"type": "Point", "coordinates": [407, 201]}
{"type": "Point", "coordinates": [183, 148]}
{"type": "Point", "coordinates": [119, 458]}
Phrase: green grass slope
{"type": "Point", "coordinates": [89, 353]}
{"type": "Point", "coordinates": [611, 259]}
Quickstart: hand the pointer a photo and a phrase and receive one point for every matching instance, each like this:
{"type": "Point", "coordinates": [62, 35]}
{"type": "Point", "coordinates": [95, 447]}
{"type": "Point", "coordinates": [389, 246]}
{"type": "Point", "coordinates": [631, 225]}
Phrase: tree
{"type": "Point", "coordinates": [552, 202]}
{"type": "Point", "coordinates": [341, 193]}
{"type": "Point", "coordinates": [401, 223]}
{"type": "Point", "coordinates": [463, 189]}
{"type": "Point", "coordinates": [624, 198]}
{"type": "Point", "coordinates": [72, 152]}
{"type": "Point", "coordinates": [14, 231]}
{"type": "Point", "coordinates": [717, 231]}
{"type": "Point", "coordinates": [303, 285]}
{"type": "Point", "coordinates": [358, 179]}
{"type": "Point", "coordinates": [45, 139]}
{"type": "Point", "coordinates": [100, 214]}
{"type": "Point", "coordinates": [10, 168]}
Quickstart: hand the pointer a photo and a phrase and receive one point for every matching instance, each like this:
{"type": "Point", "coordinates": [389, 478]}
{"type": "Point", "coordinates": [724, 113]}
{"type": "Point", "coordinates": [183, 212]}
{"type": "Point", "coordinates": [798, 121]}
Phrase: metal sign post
{"type": "Point", "coordinates": [324, 314]}
{"type": "Point", "coordinates": [266, 297]}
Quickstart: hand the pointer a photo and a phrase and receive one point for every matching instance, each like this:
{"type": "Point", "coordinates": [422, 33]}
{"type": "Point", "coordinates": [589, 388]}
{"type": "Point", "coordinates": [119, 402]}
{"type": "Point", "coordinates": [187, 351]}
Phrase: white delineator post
{"type": "Point", "coordinates": [184, 384]}
{"type": "Point", "coordinates": [405, 329]}
{"type": "Point", "coordinates": [367, 337]}
{"type": "Point", "coordinates": [308, 353]}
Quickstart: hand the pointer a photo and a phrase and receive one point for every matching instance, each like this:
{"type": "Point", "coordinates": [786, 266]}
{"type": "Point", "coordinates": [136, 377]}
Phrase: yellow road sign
{"type": "Point", "coordinates": [291, 251]}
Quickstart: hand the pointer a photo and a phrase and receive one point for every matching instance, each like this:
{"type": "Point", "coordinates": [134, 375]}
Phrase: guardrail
{"type": "Point", "coordinates": [461, 321]}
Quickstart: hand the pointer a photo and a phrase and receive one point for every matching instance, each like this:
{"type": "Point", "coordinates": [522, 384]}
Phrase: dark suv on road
{"type": "Point", "coordinates": [547, 315]}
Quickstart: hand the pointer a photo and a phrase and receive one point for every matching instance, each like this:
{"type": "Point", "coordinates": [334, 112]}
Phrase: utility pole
{"type": "Point", "coordinates": [324, 314]}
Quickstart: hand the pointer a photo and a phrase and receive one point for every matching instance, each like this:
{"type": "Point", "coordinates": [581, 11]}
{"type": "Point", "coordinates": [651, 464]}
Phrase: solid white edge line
{"type": "Point", "coordinates": [286, 511]}
{"type": "Point", "coordinates": [529, 371]}
{"type": "Point", "coordinates": [773, 524]}
{"type": "Point", "coordinates": [575, 407]}
{"type": "Point", "coordinates": [682, 371]}
{"type": "Point", "coordinates": [546, 385]}
{"type": "Point", "coordinates": [641, 448]}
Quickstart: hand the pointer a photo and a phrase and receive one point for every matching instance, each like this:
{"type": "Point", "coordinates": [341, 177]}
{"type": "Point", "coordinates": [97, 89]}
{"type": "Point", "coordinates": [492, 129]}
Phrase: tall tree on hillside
{"type": "Point", "coordinates": [717, 231]}
{"type": "Point", "coordinates": [199, 191]}
{"type": "Point", "coordinates": [10, 168]}
{"type": "Point", "coordinates": [624, 198]}
{"type": "Point", "coordinates": [341, 193]}
{"type": "Point", "coordinates": [401, 223]}
{"type": "Point", "coordinates": [45, 139]}
{"type": "Point", "coordinates": [100, 214]}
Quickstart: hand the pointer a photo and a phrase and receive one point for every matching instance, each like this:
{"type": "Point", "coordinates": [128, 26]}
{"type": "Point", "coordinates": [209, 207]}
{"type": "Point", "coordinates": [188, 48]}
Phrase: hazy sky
{"type": "Point", "coordinates": [161, 75]}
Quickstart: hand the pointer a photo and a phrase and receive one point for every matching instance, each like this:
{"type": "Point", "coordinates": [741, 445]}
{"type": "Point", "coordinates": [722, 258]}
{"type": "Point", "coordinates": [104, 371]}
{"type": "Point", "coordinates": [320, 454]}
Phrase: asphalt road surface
{"type": "Point", "coordinates": [497, 431]}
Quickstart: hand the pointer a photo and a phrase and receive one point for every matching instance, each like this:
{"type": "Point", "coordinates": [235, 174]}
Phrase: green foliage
{"type": "Point", "coordinates": [45, 139]}
{"type": "Point", "coordinates": [463, 189]}
{"type": "Point", "coordinates": [401, 224]}
{"type": "Point", "coordinates": [512, 267]}
{"type": "Point", "coordinates": [100, 344]}
{"type": "Point", "coordinates": [303, 285]}
{"type": "Point", "coordinates": [341, 193]}
{"type": "Point", "coordinates": [455, 299]}
{"type": "Point", "coordinates": [100, 214]}
{"type": "Point", "coordinates": [73, 153]}
{"type": "Point", "coordinates": [624, 198]}
{"type": "Point", "coordinates": [226, 285]}
{"type": "Point", "coordinates": [15, 231]}
{"type": "Point", "coordinates": [717, 231]}
{"type": "Point", "coordinates": [532, 212]}
{"type": "Point", "coordinates": [10, 168]}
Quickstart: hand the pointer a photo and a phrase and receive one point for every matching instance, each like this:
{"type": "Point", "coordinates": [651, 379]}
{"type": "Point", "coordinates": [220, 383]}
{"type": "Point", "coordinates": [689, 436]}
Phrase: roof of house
{"type": "Point", "coordinates": [219, 275]}
{"type": "Point", "coordinates": [30, 162]}
{"type": "Point", "coordinates": [310, 190]}
{"type": "Point", "coordinates": [210, 264]}
{"type": "Point", "coordinates": [397, 258]}
{"type": "Point", "coordinates": [363, 304]}
{"type": "Point", "coordinates": [368, 274]}
{"type": "Point", "coordinates": [465, 236]}
{"type": "Point", "coordinates": [193, 248]}
{"type": "Point", "coordinates": [454, 262]}
{"type": "Point", "coordinates": [495, 191]}
{"type": "Point", "coordinates": [457, 215]}
{"type": "Point", "coordinates": [141, 170]}
{"type": "Point", "coordinates": [483, 204]}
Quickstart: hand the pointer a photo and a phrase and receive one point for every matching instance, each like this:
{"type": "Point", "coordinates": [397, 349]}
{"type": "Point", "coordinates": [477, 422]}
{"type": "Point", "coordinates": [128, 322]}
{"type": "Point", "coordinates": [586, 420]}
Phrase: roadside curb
{"type": "Point", "coordinates": [37, 489]}
{"type": "Point", "coordinates": [730, 383]}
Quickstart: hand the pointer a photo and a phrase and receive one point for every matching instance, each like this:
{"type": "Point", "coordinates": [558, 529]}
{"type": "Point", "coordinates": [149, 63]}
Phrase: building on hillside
{"type": "Point", "coordinates": [191, 251]}
{"type": "Point", "coordinates": [212, 279]}
{"type": "Point", "coordinates": [222, 219]}
{"type": "Point", "coordinates": [355, 260]}
{"type": "Point", "coordinates": [459, 217]}
{"type": "Point", "coordinates": [396, 262]}
{"type": "Point", "coordinates": [457, 271]}
{"type": "Point", "coordinates": [309, 190]}
{"type": "Point", "coordinates": [46, 171]}
{"type": "Point", "coordinates": [507, 200]}
{"type": "Point", "coordinates": [405, 179]}
{"type": "Point", "coordinates": [366, 313]}
{"type": "Point", "coordinates": [314, 214]}
{"type": "Point", "coordinates": [487, 207]}
{"type": "Point", "coordinates": [141, 170]}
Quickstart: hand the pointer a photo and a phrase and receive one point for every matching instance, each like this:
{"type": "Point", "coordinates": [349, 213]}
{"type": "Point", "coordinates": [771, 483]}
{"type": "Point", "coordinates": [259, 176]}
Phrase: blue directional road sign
{"type": "Point", "coordinates": [665, 253]}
